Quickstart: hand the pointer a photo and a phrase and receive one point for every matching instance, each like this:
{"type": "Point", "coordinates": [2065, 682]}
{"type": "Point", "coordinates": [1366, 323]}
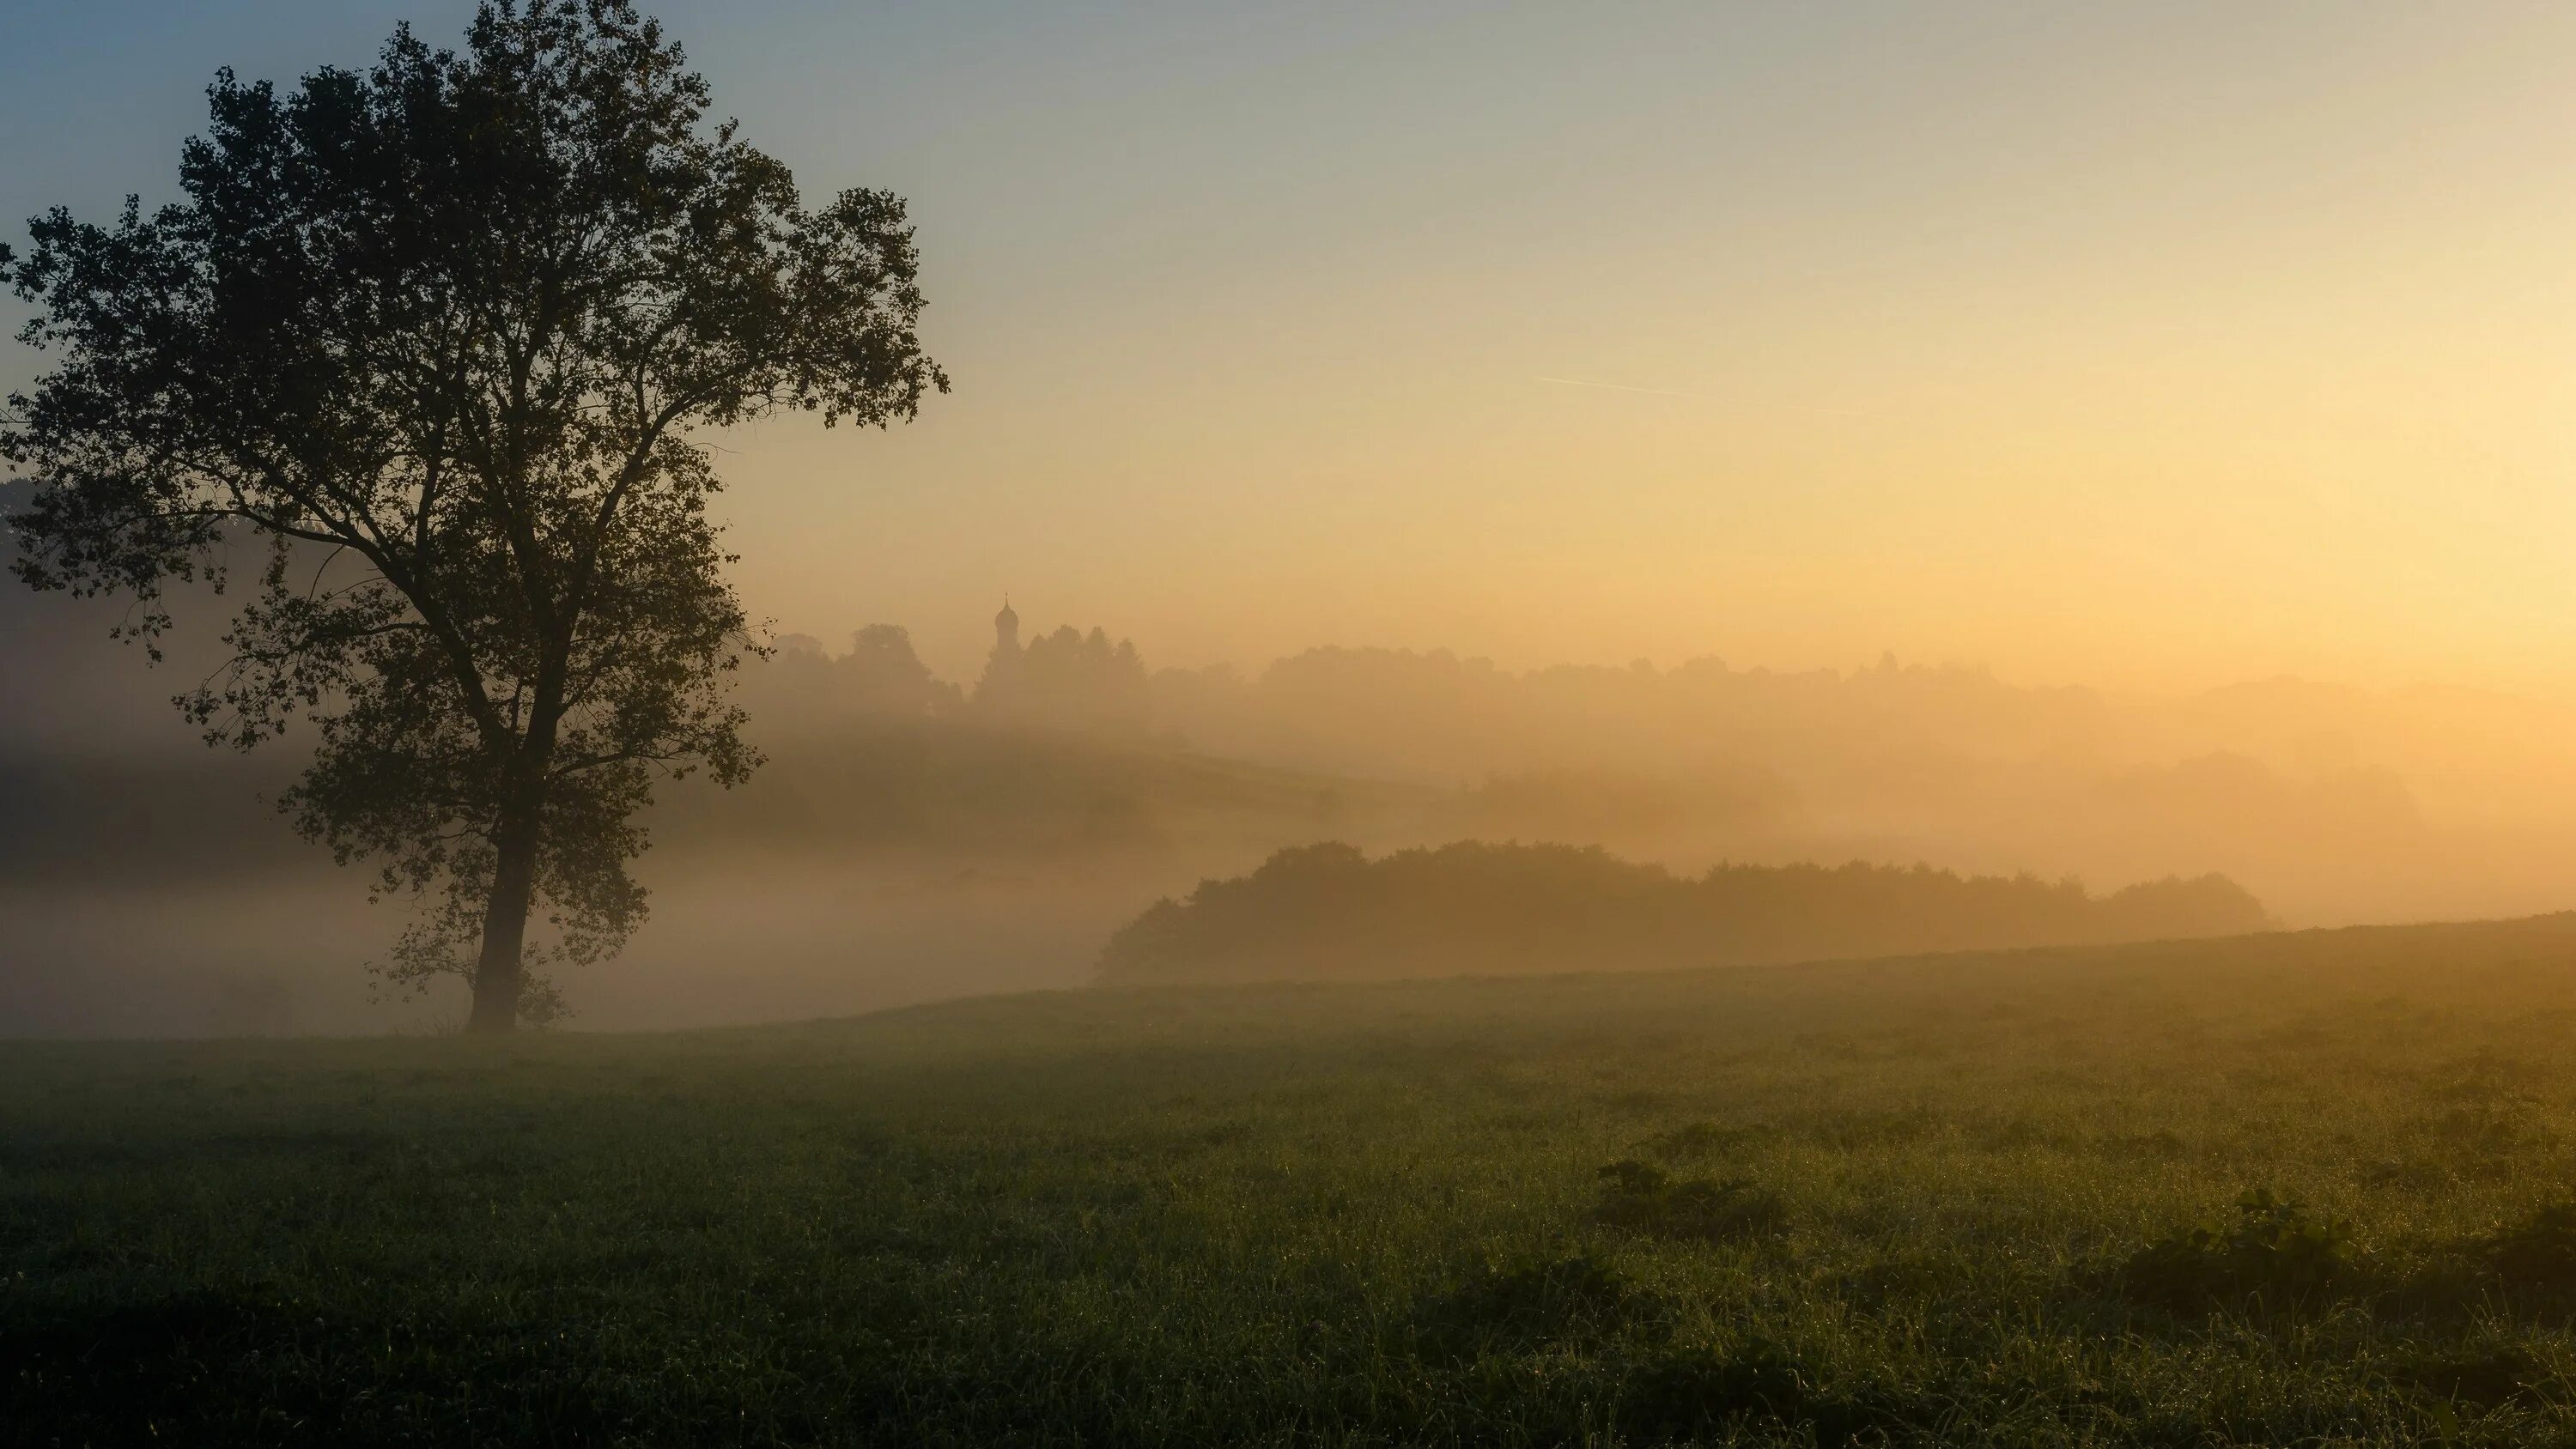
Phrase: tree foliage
{"type": "Point", "coordinates": [1471, 907]}
{"type": "Point", "coordinates": [437, 336]}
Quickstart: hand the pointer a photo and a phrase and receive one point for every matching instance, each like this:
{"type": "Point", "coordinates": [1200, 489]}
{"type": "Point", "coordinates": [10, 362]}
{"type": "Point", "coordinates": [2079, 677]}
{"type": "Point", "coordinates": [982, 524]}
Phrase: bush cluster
{"type": "Point", "coordinates": [1644, 1198]}
{"type": "Point", "coordinates": [2274, 1250]}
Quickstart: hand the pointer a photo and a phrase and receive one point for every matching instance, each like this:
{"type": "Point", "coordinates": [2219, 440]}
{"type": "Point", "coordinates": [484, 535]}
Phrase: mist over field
{"type": "Point", "coordinates": [915, 838]}
{"type": "Point", "coordinates": [2154, 479]}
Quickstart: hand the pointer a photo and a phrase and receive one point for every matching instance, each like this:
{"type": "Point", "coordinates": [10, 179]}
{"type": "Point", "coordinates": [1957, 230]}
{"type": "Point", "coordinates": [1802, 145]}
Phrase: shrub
{"type": "Point", "coordinates": [1579, 1297]}
{"type": "Point", "coordinates": [2539, 1251]}
{"type": "Point", "coordinates": [1644, 1198]}
{"type": "Point", "coordinates": [2274, 1250]}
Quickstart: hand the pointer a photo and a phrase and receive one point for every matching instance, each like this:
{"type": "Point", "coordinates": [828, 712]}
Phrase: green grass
{"type": "Point", "coordinates": [1895, 1202]}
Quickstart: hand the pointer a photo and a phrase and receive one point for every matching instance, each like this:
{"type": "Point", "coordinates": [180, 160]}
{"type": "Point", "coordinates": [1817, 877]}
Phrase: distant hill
{"type": "Point", "coordinates": [1329, 912]}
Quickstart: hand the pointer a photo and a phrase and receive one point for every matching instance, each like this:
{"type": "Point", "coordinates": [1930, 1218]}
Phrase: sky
{"type": "Point", "coordinates": [2147, 346]}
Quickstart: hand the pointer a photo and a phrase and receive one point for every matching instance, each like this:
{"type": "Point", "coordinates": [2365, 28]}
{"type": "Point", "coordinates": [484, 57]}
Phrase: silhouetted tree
{"type": "Point", "coordinates": [880, 679]}
{"type": "Point", "coordinates": [439, 334]}
{"type": "Point", "coordinates": [1328, 911]}
{"type": "Point", "coordinates": [882, 675]}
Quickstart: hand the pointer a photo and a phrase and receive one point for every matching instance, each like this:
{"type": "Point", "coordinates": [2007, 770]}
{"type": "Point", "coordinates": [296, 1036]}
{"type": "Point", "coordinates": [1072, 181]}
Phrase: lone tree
{"type": "Point", "coordinates": [437, 337]}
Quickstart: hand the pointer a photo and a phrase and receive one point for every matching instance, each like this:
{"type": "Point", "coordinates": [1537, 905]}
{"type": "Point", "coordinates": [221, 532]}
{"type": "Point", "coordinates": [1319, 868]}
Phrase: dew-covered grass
{"type": "Point", "coordinates": [1954, 1200]}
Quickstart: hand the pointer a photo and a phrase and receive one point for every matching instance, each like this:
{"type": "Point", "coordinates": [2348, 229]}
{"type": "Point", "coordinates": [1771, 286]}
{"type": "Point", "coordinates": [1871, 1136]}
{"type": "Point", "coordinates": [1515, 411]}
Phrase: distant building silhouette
{"type": "Point", "coordinates": [1063, 679]}
{"type": "Point", "coordinates": [999, 691]}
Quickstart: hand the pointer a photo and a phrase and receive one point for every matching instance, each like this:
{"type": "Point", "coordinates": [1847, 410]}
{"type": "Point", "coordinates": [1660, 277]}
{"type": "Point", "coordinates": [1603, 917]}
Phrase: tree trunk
{"type": "Point", "coordinates": [499, 972]}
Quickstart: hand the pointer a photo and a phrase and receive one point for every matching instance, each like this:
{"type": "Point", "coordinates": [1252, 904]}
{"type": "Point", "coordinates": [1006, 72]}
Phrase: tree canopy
{"type": "Point", "coordinates": [1322, 911]}
{"type": "Point", "coordinates": [434, 339]}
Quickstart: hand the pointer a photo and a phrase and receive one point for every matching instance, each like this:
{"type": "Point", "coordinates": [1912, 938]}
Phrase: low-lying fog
{"type": "Point", "coordinates": [913, 838]}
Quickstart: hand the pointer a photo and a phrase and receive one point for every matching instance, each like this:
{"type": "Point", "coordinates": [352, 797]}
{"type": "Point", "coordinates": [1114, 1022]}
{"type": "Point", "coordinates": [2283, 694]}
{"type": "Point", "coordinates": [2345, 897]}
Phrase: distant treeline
{"type": "Point", "coordinates": [1328, 911]}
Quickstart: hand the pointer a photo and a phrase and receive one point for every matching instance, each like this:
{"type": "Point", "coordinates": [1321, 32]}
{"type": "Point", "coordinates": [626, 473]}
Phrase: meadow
{"type": "Point", "coordinates": [2292, 1188]}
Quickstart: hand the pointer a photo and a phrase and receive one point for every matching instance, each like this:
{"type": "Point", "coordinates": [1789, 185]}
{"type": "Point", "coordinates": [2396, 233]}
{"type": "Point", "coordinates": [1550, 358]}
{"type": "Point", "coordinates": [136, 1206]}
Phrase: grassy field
{"type": "Point", "coordinates": [1959, 1200]}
